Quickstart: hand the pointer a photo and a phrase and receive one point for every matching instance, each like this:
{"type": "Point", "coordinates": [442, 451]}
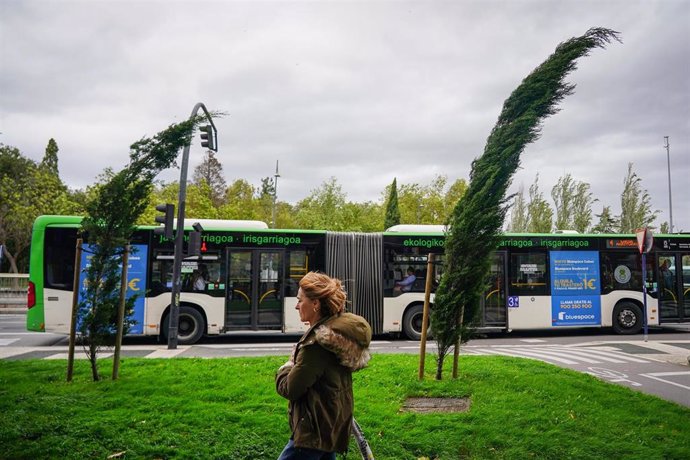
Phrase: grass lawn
{"type": "Point", "coordinates": [227, 408]}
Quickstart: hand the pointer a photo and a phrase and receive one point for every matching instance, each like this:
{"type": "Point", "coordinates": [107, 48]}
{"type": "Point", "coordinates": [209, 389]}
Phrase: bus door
{"type": "Point", "coordinates": [673, 278]}
{"type": "Point", "coordinates": [254, 297]}
{"type": "Point", "coordinates": [493, 301]}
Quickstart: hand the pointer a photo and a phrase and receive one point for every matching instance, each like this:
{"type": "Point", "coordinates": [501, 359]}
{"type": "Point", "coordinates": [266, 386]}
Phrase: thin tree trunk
{"type": "Point", "coordinates": [93, 359]}
{"type": "Point", "coordinates": [439, 366]}
{"type": "Point", "coordinates": [456, 352]}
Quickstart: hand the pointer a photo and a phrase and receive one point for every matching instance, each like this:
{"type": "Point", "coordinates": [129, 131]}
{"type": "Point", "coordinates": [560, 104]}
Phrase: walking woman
{"type": "Point", "coordinates": [317, 380]}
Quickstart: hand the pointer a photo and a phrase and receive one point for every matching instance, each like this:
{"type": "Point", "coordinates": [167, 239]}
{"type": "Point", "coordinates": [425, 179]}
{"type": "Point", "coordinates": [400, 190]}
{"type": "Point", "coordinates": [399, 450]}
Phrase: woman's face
{"type": "Point", "coordinates": [309, 310]}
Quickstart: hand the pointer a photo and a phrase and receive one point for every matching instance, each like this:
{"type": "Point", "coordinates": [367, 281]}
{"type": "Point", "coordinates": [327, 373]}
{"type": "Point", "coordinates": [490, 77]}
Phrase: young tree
{"type": "Point", "coordinates": [211, 171]}
{"type": "Point", "coordinates": [582, 207]}
{"type": "Point", "coordinates": [474, 227]}
{"type": "Point", "coordinates": [392, 211]}
{"type": "Point", "coordinates": [636, 208]}
{"type": "Point", "coordinates": [539, 213]}
{"type": "Point", "coordinates": [50, 159]}
{"type": "Point", "coordinates": [518, 213]}
{"type": "Point", "coordinates": [563, 195]}
{"type": "Point", "coordinates": [265, 199]}
{"type": "Point", "coordinates": [573, 202]}
{"type": "Point", "coordinates": [112, 212]}
{"type": "Point", "coordinates": [608, 223]}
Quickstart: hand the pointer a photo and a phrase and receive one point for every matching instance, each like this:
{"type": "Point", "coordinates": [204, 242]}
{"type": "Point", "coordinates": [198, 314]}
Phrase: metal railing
{"type": "Point", "coordinates": [13, 288]}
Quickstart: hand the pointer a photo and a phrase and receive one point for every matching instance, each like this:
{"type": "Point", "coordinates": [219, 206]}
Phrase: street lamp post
{"type": "Point", "coordinates": [174, 315]}
{"type": "Point", "coordinates": [668, 164]}
{"type": "Point", "coordinates": [275, 195]}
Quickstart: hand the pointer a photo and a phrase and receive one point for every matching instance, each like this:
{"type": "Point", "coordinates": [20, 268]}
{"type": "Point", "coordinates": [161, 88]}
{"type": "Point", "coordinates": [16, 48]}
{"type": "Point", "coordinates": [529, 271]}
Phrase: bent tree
{"type": "Point", "coordinates": [111, 215]}
{"type": "Point", "coordinates": [474, 226]}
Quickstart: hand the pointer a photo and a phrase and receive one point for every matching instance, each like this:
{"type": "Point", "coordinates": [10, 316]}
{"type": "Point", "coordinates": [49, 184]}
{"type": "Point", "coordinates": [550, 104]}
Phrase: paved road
{"type": "Point", "coordinates": [658, 366]}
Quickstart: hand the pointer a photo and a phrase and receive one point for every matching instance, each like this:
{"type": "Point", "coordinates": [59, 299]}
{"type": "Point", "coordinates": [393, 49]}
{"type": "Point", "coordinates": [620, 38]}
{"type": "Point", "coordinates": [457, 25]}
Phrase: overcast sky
{"type": "Point", "coordinates": [363, 91]}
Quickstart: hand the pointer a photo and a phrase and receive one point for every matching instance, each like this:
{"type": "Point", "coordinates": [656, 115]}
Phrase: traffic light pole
{"type": "Point", "coordinates": [174, 315]}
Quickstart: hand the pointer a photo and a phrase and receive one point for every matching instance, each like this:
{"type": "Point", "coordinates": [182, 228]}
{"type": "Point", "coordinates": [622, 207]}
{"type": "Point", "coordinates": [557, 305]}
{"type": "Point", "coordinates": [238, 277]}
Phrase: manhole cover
{"type": "Point", "coordinates": [425, 405]}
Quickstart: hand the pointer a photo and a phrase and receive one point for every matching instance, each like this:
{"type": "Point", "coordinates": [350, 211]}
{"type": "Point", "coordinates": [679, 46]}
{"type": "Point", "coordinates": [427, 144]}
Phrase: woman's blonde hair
{"type": "Point", "coordinates": [329, 291]}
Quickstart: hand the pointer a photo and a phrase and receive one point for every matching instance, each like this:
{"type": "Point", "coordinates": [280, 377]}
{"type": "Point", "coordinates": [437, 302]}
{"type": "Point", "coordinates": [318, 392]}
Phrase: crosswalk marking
{"type": "Point", "coordinates": [612, 355]}
{"type": "Point", "coordinates": [529, 354]}
{"type": "Point", "coordinates": [563, 355]}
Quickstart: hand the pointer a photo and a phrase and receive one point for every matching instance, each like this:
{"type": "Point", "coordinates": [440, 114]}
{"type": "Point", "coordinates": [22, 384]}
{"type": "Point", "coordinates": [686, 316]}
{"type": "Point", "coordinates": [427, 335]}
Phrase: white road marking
{"type": "Point", "coordinates": [564, 355]}
{"type": "Point", "coordinates": [524, 354]}
{"type": "Point", "coordinates": [656, 376]}
{"type": "Point", "coordinates": [165, 353]}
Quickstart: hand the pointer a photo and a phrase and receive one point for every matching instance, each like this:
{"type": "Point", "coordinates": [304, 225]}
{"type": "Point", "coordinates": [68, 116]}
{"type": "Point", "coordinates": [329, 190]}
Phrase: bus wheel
{"type": "Point", "coordinates": [190, 327]}
{"type": "Point", "coordinates": [627, 318]}
{"type": "Point", "coordinates": [412, 322]}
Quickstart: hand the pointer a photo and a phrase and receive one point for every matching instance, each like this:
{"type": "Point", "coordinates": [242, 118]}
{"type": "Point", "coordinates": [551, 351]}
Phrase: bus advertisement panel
{"type": "Point", "coordinates": [136, 281]}
{"type": "Point", "coordinates": [575, 288]}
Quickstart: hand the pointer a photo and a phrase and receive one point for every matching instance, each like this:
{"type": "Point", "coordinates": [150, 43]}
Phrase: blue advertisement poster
{"type": "Point", "coordinates": [575, 288]}
{"type": "Point", "coordinates": [136, 280]}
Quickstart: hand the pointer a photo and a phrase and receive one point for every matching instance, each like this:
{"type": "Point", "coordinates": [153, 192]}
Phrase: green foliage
{"type": "Point", "coordinates": [210, 171]}
{"type": "Point", "coordinates": [478, 218]}
{"type": "Point", "coordinates": [112, 212]}
{"type": "Point", "coordinates": [50, 159]}
{"type": "Point", "coordinates": [324, 208]}
{"type": "Point", "coordinates": [636, 208]}
{"type": "Point", "coordinates": [228, 409]}
{"type": "Point", "coordinates": [392, 211]}
{"type": "Point", "coordinates": [27, 190]}
{"type": "Point", "coordinates": [573, 202]}
{"type": "Point", "coordinates": [539, 213]}
{"type": "Point", "coordinates": [563, 194]}
{"type": "Point", "coordinates": [608, 223]}
{"type": "Point", "coordinates": [429, 204]}
{"type": "Point", "coordinates": [518, 213]}
{"type": "Point", "coordinates": [239, 201]}
{"type": "Point", "coordinates": [582, 207]}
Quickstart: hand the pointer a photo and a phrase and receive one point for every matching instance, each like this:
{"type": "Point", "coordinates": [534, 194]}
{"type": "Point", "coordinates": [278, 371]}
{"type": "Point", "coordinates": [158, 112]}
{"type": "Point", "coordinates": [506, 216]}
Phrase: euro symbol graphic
{"type": "Point", "coordinates": [133, 284]}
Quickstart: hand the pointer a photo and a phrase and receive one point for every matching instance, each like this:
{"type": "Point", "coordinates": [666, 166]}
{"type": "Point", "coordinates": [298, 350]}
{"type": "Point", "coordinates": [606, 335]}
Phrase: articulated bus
{"type": "Point", "coordinates": [536, 281]}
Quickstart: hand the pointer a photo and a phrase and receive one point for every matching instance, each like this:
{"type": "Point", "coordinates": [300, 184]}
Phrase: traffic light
{"type": "Point", "coordinates": [208, 139]}
{"type": "Point", "coordinates": [166, 219]}
{"type": "Point", "coordinates": [194, 244]}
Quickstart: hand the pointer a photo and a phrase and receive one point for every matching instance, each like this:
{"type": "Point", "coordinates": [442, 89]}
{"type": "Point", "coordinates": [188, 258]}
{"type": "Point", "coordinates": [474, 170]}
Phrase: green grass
{"type": "Point", "coordinates": [228, 408]}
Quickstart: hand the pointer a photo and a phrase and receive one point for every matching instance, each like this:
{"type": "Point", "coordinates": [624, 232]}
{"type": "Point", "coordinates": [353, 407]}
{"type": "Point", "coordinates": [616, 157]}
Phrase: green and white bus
{"type": "Point", "coordinates": [550, 281]}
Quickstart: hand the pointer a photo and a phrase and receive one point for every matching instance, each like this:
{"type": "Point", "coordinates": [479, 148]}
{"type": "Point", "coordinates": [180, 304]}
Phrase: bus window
{"type": "Point", "coordinates": [59, 258]}
{"type": "Point", "coordinates": [299, 266]}
{"type": "Point", "coordinates": [623, 270]}
{"type": "Point", "coordinates": [529, 273]}
{"type": "Point", "coordinates": [400, 264]}
{"type": "Point", "coordinates": [209, 267]}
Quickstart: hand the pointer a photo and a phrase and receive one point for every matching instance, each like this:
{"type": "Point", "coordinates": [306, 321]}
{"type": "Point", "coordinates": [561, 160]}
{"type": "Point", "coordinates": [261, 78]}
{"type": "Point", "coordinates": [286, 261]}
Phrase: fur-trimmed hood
{"type": "Point", "coordinates": [347, 336]}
